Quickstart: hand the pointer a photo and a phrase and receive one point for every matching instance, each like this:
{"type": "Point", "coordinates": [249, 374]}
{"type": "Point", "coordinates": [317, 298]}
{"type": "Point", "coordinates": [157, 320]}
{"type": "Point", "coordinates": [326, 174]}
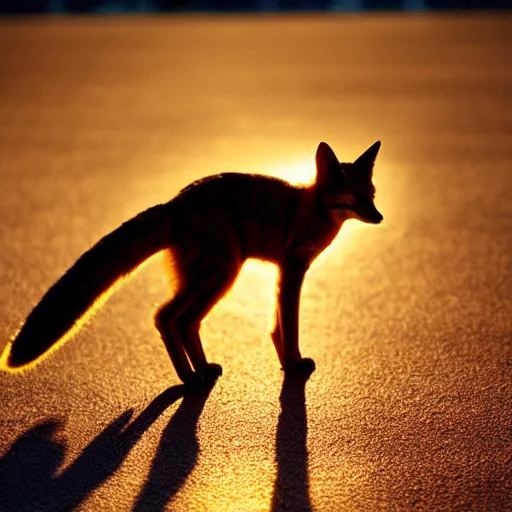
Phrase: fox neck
{"type": "Point", "coordinates": [322, 213]}
{"type": "Point", "coordinates": [314, 227]}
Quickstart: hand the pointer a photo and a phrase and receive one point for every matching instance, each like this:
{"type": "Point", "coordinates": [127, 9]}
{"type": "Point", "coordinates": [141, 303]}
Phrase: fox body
{"type": "Point", "coordinates": [212, 226]}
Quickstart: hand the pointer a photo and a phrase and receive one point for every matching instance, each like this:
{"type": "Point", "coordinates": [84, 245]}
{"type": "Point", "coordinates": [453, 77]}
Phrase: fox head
{"type": "Point", "coordinates": [347, 189]}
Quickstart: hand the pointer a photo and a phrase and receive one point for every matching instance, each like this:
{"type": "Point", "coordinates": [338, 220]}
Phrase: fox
{"type": "Point", "coordinates": [211, 227]}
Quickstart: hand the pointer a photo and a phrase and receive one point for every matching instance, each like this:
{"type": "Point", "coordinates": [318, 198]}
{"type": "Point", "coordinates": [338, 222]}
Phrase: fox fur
{"type": "Point", "coordinates": [212, 226]}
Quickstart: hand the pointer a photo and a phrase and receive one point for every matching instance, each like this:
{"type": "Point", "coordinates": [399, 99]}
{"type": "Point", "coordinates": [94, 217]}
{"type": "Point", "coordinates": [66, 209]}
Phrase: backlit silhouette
{"type": "Point", "coordinates": [212, 227]}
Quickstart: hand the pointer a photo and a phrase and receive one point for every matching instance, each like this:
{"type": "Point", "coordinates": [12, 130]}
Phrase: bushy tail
{"type": "Point", "coordinates": [94, 273]}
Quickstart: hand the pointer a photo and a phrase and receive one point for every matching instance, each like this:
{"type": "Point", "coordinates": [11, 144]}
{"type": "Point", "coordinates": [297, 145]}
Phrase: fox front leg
{"type": "Point", "coordinates": [286, 332]}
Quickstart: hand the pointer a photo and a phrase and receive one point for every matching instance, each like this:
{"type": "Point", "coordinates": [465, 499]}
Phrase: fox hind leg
{"type": "Point", "coordinates": [165, 322]}
{"type": "Point", "coordinates": [213, 286]}
{"type": "Point", "coordinates": [204, 277]}
{"type": "Point", "coordinates": [194, 349]}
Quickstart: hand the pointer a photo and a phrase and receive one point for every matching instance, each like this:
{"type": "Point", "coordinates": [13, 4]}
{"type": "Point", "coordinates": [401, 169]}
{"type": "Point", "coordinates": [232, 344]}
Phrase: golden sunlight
{"type": "Point", "coordinates": [296, 172]}
{"type": "Point", "coordinates": [253, 294]}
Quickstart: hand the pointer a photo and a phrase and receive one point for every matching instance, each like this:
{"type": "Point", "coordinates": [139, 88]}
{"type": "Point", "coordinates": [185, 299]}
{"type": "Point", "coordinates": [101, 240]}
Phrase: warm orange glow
{"type": "Point", "coordinates": [4, 356]}
{"type": "Point", "coordinates": [253, 294]}
{"type": "Point", "coordinates": [297, 172]}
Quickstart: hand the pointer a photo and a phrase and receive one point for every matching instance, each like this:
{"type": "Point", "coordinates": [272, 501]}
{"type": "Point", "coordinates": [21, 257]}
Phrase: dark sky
{"type": "Point", "coordinates": [109, 6]}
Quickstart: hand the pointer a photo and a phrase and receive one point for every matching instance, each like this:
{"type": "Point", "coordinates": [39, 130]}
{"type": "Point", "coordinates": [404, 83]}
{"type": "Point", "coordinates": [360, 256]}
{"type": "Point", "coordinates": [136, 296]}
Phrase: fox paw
{"type": "Point", "coordinates": [211, 373]}
{"type": "Point", "coordinates": [303, 367]}
{"type": "Point", "coordinates": [195, 382]}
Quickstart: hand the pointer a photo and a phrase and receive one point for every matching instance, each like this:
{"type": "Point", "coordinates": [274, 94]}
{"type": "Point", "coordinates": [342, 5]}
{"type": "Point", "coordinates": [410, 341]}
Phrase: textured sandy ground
{"type": "Point", "coordinates": [410, 322]}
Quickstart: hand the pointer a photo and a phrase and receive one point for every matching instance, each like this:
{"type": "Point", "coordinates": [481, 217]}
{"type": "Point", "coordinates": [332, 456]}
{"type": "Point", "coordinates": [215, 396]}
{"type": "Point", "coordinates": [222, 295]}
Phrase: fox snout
{"type": "Point", "coordinates": [367, 212]}
{"type": "Point", "coordinates": [377, 218]}
{"type": "Point", "coordinates": [361, 209]}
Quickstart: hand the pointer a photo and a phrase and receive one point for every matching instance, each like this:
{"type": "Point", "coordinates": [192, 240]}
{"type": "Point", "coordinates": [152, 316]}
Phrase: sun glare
{"type": "Point", "coordinates": [296, 172]}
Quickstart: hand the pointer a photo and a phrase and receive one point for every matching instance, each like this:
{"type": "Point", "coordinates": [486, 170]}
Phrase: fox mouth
{"type": "Point", "coordinates": [373, 216]}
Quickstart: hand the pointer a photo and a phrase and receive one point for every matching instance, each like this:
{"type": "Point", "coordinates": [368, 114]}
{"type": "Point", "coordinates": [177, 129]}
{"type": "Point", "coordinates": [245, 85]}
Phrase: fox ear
{"type": "Point", "coordinates": [326, 162]}
{"type": "Point", "coordinates": [367, 159]}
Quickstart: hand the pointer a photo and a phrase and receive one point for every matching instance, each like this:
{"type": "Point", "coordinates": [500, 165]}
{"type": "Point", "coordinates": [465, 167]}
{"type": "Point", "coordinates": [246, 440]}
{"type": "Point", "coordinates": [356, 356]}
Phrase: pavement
{"type": "Point", "coordinates": [410, 322]}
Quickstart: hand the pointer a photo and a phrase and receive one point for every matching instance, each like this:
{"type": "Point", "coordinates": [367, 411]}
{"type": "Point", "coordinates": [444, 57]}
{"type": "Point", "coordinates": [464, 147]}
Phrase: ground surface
{"type": "Point", "coordinates": [410, 322]}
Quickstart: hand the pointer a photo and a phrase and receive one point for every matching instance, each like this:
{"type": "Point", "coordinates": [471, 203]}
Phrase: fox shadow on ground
{"type": "Point", "coordinates": [291, 487]}
{"type": "Point", "coordinates": [30, 476]}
